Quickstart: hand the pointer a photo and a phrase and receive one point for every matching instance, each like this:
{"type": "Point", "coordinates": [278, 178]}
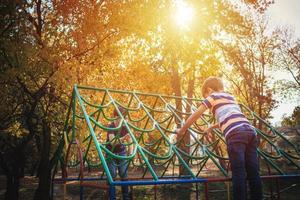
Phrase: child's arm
{"type": "Point", "coordinates": [191, 120]}
{"type": "Point", "coordinates": [211, 128]}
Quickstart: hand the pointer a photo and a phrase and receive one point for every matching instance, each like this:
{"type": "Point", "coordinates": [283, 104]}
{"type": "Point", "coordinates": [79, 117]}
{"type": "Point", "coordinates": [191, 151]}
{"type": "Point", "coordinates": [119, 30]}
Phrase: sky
{"type": "Point", "coordinates": [285, 13]}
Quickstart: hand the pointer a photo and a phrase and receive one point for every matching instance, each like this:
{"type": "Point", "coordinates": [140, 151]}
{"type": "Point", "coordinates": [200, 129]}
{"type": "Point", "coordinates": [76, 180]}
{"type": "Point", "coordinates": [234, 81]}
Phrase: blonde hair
{"type": "Point", "coordinates": [214, 83]}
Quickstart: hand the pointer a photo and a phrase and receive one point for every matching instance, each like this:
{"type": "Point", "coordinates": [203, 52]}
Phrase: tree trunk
{"type": "Point", "coordinates": [176, 85]}
{"type": "Point", "coordinates": [190, 93]}
{"type": "Point", "coordinates": [13, 164]}
{"type": "Point", "coordinates": [43, 190]}
{"type": "Point", "coordinates": [12, 187]}
{"type": "Point", "coordinates": [34, 168]}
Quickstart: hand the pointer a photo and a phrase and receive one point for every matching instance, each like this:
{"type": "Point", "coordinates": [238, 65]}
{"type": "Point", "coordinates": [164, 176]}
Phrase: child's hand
{"type": "Point", "coordinates": [179, 132]}
{"type": "Point", "coordinates": [125, 138]}
{"type": "Point", "coordinates": [209, 129]}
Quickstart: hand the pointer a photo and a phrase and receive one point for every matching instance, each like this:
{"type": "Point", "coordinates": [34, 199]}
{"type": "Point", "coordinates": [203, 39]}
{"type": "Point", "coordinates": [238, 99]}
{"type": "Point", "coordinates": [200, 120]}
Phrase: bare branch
{"type": "Point", "coordinates": [91, 48]}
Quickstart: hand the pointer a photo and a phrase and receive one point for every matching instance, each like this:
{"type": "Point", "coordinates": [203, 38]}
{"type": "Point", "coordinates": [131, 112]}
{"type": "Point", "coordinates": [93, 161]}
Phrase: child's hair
{"type": "Point", "coordinates": [121, 109]}
{"type": "Point", "coordinates": [213, 82]}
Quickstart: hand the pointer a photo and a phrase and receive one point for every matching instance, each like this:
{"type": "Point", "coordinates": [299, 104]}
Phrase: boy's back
{"type": "Point", "coordinates": [240, 137]}
{"type": "Point", "coordinates": [226, 111]}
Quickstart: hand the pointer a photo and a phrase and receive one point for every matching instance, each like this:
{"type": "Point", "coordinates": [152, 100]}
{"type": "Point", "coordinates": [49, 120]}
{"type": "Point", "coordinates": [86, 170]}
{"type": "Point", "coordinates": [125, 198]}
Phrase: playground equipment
{"type": "Point", "coordinates": [157, 156]}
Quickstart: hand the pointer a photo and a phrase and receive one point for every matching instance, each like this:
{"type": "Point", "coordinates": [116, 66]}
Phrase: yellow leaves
{"type": "Point", "coordinates": [145, 46]}
{"type": "Point", "coordinates": [17, 130]}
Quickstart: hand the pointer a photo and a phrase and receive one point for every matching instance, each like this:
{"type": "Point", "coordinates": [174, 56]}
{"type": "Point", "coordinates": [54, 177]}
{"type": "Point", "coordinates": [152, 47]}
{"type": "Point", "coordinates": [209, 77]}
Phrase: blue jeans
{"type": "Point", "coordinates": [241, 147]}
{"type": "Point", "coordinates": [121, 165]}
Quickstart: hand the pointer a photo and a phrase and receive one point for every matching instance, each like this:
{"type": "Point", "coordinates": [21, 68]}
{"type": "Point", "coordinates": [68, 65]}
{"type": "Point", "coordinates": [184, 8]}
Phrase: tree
{"type": "Point", "coordinates": [48, 46]}
{"type": "Point", "coordinates": [293, 120]}
{"type": "Point", "coordinates": [251, 57]}
{"type": "Point", "coordinates": [28, 66]}
{"type": "Point", "coordinates": [259, 5]}
{"type": "Point", "coordinates": [289, 61]}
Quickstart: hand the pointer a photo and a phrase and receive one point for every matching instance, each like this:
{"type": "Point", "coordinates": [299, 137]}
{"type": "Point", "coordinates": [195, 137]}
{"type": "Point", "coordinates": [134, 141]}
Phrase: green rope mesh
{"type": "Point", "coordinates": [155, 150]}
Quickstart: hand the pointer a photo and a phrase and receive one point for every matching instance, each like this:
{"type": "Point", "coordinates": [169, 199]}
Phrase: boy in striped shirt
{"type": "Point", "coordinates": [239, 134]}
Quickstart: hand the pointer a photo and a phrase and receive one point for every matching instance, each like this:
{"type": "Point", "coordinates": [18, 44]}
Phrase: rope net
{"type": "Point", "coordinates": [154, 153]}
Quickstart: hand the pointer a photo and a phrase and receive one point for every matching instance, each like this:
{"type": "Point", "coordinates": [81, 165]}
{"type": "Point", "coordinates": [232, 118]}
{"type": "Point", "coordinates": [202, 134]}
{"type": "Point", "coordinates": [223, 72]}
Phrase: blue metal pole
{"type": "Point", "coordinates": [112, 192]}
{"type": "Point", "coordinates": [159, 182]}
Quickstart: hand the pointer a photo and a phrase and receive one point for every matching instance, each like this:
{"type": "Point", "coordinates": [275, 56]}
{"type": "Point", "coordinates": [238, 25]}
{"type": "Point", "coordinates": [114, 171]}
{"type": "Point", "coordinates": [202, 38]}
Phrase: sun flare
{"type": "Point", "coordinates": [184, 14]}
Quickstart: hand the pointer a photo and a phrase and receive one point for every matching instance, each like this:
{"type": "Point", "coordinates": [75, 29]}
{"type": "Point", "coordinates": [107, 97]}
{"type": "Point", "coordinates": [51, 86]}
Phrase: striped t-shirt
{"type": "Point", "coordinates": [226, 111]}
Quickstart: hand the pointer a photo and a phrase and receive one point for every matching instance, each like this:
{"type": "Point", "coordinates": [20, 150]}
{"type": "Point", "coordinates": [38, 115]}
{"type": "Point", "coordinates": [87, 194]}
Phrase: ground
{"type": "Point", "coordinates": [217, 191]}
